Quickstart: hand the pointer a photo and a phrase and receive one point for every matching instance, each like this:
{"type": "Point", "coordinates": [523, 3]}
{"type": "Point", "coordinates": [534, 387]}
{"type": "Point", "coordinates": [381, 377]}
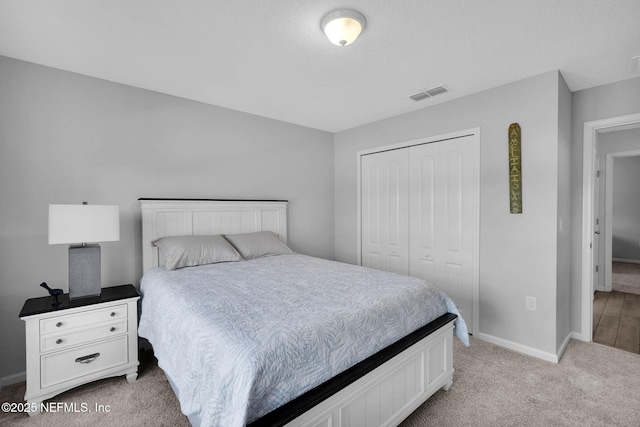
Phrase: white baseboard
{"type": "Point", "coordinates": [12, 379]}
{"type": "Point", "coordinates": [578, 336]}
{"type": "Point", "coordinates": [564, 345]}
{"type": "Point", "coordinates": [630, 261]}
{"type": "Point", "coordinates": [530, 351]}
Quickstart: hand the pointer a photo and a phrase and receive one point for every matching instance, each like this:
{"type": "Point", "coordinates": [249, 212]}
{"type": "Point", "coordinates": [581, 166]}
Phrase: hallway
{"type": "Point", "coordinates": [625, 277]}
{"type": "Point", "coordinates": [616, 320]}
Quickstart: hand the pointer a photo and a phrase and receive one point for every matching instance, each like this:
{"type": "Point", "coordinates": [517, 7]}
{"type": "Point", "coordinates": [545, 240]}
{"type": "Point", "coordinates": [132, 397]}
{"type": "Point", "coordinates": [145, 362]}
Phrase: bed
{"type": "Point", "coordinates": [272, 337]}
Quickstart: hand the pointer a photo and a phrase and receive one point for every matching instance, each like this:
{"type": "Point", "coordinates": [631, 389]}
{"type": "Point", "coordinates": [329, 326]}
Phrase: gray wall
{"type": "Point", "coordinates": [66, 138]}
{"type": "Point", "coordinates": [518, 253]}
{"type": "Point", "coordinates": [626, 209]}
{"type": "Point", "coordinates": [563, 279]}
{"type": "Point", "coordinates": [616, 142]}
{"type": "Point", "coordinates": [601, 102]}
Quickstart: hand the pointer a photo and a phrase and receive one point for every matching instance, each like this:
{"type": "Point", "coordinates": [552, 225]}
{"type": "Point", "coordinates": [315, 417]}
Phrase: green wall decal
{"type": "Point", "coordinates": [515, 169]}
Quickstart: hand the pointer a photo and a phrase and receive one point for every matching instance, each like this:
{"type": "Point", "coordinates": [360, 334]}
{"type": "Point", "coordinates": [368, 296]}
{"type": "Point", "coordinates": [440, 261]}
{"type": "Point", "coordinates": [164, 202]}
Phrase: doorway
{"type": "Point", "coordinates": [592, 131]}
{"type": "Point", "coordinates": [621, 233]}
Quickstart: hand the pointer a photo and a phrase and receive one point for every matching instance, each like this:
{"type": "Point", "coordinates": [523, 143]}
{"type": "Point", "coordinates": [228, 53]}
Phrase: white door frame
{"type": "Point", "coordinates": [608, 217]}
{"type": "Point", "coordinates": [591, 130]}
{"type": "Point", "coordinates": [597, 285]}
{"type": "Point", "coordinates": [473, 132]}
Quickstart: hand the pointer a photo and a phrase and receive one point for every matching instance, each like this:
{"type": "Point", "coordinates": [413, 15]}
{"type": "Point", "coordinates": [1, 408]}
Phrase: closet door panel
{"type": "Point", "coordinates": [442, 203]}
{"type": "Point", "coordinates": [423, 199]}
{"type": "Point", "coordinates": [458, 219]}
{"type": "Point", "coordinates": [452, 193]}
{"type": "Point", "coordinates": [371, 202]}
{"type": "Point", "coordinates": [424, 268]}
{"type": "Point", "coordinates": [454, 285]}
{"type": "Point", "coordinates": [385, 228]}
{"type": "Point", "coordinates": [395, 195]}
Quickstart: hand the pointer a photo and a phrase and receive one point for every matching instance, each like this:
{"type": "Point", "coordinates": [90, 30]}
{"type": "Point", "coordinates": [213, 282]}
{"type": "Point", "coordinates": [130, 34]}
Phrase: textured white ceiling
{"type": "Point", "coordinates": [271, 58]}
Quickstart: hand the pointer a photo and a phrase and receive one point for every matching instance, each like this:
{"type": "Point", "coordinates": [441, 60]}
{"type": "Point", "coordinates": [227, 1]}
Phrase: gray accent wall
{"type": "Point", "coordinates": [67, 138]}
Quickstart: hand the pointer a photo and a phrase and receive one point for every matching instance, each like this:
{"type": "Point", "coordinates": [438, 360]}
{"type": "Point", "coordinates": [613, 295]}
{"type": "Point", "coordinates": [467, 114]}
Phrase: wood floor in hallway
{"type": "Point", "coordinates": [616, 320]}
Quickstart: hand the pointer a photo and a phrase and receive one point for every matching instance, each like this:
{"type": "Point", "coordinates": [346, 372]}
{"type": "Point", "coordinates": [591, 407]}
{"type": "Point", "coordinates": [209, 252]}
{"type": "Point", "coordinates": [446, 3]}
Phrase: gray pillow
{"type": "Point", "coordinates": [188, 251]}
{"type": "Point", "coordinates": [258, 245]}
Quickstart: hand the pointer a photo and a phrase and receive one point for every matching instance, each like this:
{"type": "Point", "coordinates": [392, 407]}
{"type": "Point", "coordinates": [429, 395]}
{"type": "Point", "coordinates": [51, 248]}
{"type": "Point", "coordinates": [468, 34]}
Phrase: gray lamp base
{"type": "Point", "coordinates": [84, 271]}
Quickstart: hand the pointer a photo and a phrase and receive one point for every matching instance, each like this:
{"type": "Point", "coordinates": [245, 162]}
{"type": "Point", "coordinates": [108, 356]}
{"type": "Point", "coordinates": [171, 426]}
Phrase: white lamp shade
{"type": "Point", "coordinates": [83, 223]}
{"type": "Point", "coordinates": [343, 27]}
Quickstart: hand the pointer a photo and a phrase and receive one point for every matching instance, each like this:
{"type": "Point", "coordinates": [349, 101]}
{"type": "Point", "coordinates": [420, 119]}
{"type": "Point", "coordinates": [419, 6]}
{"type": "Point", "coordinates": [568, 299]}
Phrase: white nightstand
{"type": "Point", "coordinates": [79, 341]}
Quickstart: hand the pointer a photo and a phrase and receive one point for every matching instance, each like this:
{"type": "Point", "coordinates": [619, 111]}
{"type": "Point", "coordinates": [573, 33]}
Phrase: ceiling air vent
{"type": "Point", "coordinates": [428, 93]}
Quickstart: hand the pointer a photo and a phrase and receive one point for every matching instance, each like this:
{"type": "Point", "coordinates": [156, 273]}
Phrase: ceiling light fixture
{"type": "Point", "coordinates": [342, 27]}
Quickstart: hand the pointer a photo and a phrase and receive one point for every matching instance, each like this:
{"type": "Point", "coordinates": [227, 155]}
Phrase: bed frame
{"type": "Point", "coordinates": [381, 390]}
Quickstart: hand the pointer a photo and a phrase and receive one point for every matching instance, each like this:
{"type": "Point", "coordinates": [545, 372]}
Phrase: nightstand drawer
{"type": "Point", "coordinates": [63, 323]}
{"type": "Point", "coordinates": [75, 363]}
{"type": "Point", "coordinates": [80, 336]}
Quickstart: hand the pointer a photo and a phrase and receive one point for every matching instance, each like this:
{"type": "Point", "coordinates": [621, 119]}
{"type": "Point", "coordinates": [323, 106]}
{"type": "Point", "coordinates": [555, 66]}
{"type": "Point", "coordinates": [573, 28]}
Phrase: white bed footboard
{"type": "Point", "coordinates": [389, 393]}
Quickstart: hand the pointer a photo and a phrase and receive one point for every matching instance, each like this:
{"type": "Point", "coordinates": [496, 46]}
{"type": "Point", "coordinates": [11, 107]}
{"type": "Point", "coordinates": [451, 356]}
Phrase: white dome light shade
{"type": "Point", "coordinates": [342, 27]}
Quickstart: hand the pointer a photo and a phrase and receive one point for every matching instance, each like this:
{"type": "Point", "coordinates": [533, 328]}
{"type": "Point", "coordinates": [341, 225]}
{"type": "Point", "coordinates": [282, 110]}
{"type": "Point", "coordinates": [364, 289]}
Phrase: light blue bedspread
{"type": "Point", "coordinates": [240, 339]}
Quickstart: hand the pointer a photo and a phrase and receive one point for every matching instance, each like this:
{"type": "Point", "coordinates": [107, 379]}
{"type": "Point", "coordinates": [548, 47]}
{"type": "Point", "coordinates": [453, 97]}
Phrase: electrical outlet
{"type": "Point", "coordinates": [531, 303]}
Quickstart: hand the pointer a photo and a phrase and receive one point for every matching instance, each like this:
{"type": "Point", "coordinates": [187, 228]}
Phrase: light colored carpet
{"type": "Point", "coordinates": [593, 385]}
{"type": "Point", "coordinates": [149, 401]}
{"type": "Point", "coordinates": [625, 277]}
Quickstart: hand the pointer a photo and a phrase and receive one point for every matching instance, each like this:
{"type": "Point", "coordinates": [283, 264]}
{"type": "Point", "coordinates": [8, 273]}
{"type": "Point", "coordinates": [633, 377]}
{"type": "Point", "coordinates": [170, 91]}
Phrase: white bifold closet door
{"type": "Point", "coordinates": [419, 207]}
{"type": "Point", "coordinates": [385, 208]}
{"type": "Point", "coordinates": [442, 193]}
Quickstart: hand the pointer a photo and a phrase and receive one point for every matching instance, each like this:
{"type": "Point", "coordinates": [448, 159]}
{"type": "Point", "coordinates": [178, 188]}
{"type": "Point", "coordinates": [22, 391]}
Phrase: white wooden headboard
{"type": "Point", "coordinates": [183, 217]}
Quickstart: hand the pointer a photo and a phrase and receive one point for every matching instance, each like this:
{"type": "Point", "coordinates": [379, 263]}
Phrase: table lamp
{"type": "Point", "coordinates": [77, 225]}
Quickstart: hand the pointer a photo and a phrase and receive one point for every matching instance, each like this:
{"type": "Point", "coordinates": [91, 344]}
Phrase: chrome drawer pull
{"type": "Point", "coordinates": [88, 359]}
{"type": "Point", "coordinates": [58, 324]}
{"type": "Point", "coordinates": [59, 341]}
{"type": "Point", "coordinates": [112, 329]}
